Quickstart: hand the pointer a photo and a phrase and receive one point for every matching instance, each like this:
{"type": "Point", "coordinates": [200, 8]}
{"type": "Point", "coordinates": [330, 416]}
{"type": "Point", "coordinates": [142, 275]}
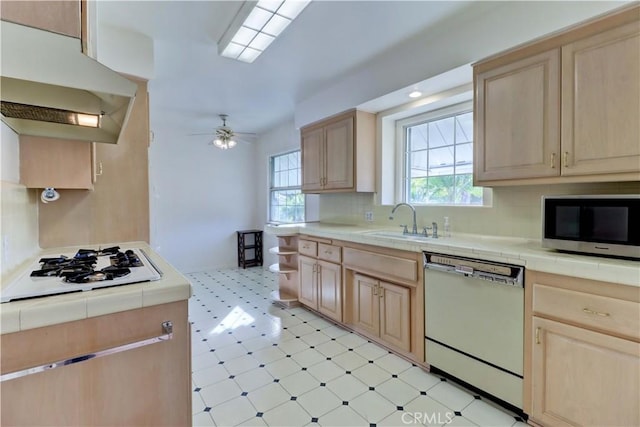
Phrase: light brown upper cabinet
{"type": "Point", "coordinates": [58, 16]}
{"type": "Point", "coordinates": [338, 154]}
{"type": "Point", "coordinates": [562, 109]}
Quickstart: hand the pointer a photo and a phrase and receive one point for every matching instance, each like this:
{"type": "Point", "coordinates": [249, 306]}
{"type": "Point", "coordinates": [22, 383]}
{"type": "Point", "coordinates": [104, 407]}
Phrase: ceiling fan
{"type": "Point", "coordinates": [225, 137]}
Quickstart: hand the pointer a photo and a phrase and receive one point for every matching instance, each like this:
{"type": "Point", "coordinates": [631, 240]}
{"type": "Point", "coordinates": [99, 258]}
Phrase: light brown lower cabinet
{"type": "Point", "coordinates": [145, 386]}
{"type": "Point", "coordinates": [584, 378]}
{"type": "Point", "coordinates": [582, 352]}
{"type": "Point", "coordinates": [382, 309]}
{"type": "Point", "coordinates": [321, 286]}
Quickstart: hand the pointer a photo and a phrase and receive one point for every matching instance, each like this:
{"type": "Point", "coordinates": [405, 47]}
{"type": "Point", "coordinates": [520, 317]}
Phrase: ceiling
{"type": "Point", "coordinates": [192, 84]}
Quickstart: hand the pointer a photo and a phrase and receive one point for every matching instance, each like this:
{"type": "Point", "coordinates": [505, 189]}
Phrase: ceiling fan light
{"type": "Point", "coordinates": [231, 143]}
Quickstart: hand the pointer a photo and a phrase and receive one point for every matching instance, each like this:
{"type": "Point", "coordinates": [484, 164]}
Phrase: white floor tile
{"type": "Point", "coordinates": [299, 383]}
{"type": "Point", "coordinates": [268, 397]}
{"type": "Point", "coordinates": [347, 387]}
{"type": "Point", "coordinates": [253, 379]}
{"type": "Point", "coordinates": [349, 360]}
{"type": "Point", "coordinates": [326, 371]}
{"type": "Point", "coordinates": [220, 392]}
{"type": "Point", "coordinates": [343, 416]}
{"type": "Point", "coordinates": [287, 414]}
{"type": "Point", "coordinates": [293, 346]}
{"type": "Point", "coordinates": [392, 363]}
{"type": "Point", "coordinates": [419, 378]}
{"type": "Point", "coordinates": [331, 348]}
{"type": "Point", "coordinates": [268, 354]}
{"type": "Point", "coordinates": [371, 374]}
{"type": "Point", "coordinates": [283, 367]}
{"type": "Point", "coordinates": [397, 391]}
{"type": "Point", "coordinates": [210, 375]}
{"type": "Point", "coordinates": [450, 396]}
{"type": "Point", "coordinates": [308, 357]}
{"type": "Point", "coordinates": [428, 411]}
{"type": "Point", "coordinates": [484, 414]}
{"type": "Point", "coordinates": [319, 401]}
{"type": "Point", "coordinates": [232, 412]}
{"type": "Point", "coordinates": [370, 351]}
{"type": "Point", "coordinates": [372, 407]}
{"type": "Point", "coordinates": [233, 305]}
{"type": "Point", "coordinates": [460, 421]}
{"type": "Point", "coordinates": [203, 419]}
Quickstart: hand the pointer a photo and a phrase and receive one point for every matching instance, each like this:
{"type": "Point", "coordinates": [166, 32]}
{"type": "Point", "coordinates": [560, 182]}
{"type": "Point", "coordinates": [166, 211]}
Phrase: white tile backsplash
{"type": "Point", "coordinates": [515, 212]}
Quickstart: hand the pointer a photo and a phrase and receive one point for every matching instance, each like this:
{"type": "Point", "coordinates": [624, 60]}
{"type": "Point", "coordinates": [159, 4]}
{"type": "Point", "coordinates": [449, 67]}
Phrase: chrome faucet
{"type": "Point", "coordinates": [414, 228]}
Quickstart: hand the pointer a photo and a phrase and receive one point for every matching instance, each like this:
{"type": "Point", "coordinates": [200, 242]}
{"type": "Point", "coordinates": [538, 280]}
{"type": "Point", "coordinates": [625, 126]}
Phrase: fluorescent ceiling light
{"type": "Point", "coordinates": [256, 26]}
{"type": "Point", "coordinates": [415, 94]}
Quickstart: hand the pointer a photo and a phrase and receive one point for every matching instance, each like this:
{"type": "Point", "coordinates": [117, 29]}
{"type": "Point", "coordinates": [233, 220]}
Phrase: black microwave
{"type": "Point", "coordinates": [600, 225]}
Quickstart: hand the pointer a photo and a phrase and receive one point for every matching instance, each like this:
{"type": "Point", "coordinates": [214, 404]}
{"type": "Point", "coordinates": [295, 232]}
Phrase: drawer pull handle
{"type": "Point", "coordinates": [167, 328]}
{"type": "Point", "coordinates": [537, 335]}
{"type": "Point", "coordinates": [375, 290]}
{"type": "Point", "coordinates": [597, 313]}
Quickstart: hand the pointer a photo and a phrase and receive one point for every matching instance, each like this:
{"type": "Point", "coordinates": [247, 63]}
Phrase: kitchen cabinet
{"type": "Point", "coordinates": [384, 297]}
{"type": "Point", "coordinates": [382, 309]}
{"type": "Point", "coordinates": [287, 270]}
{"type": "Point", "coordinates": [584, 340]}
{"type": "Point", "coordinates": [563, 108]}
{"type": "Point", "coordinates": [320, 285]}
{"type": "Point", "coordinates": [51, 162]}
{"type": "Point", "coordinates": [516, 139]}
{"type": "Point", "coordinates": [58, 16]}
{"type": "Point", "coordinates": [148, 385]}
{"type": "Point", "coordinates": [118, 208]}
{"type": "Point", "coordinates": [338, 154]}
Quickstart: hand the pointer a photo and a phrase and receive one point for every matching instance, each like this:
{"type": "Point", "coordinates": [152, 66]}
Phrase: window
{"type": "Point", "coordinates": [286, 201]}
{"type": "Point", "coordinates": [438, 158]}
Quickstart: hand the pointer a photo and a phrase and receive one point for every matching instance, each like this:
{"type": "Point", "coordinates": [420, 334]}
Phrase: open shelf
{"type": "Point", "coordinates": [285, 252]}
{"type": "Point", "coordinates": [276, 268]}
{"type": "Point", "coordinates": [284, 299]}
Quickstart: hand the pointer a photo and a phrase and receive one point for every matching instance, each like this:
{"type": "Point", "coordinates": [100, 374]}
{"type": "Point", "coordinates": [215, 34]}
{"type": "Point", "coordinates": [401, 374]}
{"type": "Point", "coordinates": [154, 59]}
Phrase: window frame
{"type": "Point", "coordinates": [273, 188]}
{"type": "Point", "coordinates": [402, 164]}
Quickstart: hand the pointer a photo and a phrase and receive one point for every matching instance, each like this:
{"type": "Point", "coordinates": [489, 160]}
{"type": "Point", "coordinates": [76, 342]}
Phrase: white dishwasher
{"type": "Point", "coordinates": [474, 323]}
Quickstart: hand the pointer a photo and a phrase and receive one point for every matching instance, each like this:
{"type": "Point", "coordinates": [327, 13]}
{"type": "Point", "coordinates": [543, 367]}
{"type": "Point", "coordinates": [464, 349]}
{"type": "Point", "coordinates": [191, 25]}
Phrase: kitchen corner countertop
{"type": "Point", "coordinates": [50, 310]}
{"type": "Point", "coordinates": [525, 252]}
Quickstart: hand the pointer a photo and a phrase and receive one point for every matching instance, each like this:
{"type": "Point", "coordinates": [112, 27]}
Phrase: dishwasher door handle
{"type": "Point", "coordinates": [167, 328]}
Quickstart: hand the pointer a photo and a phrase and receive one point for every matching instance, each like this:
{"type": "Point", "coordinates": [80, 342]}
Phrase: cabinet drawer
{"type": "Point", "coordinates": [330, 253]}
{"type": "Point", "coordinates": [307, 247]}
{"type": "Point", "coordinates": [379, 265]}
{"type": "Point", "coordinates": [604, 313]}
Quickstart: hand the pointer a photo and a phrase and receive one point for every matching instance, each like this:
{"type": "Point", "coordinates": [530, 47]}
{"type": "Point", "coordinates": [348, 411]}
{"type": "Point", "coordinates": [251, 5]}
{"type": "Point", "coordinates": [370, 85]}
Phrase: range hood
{"type": "Point", "coordinates": [50, 88]}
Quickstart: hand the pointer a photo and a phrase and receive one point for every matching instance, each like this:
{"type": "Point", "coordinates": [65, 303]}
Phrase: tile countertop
{"type": "Point", "coordinates": [45, 311]}
{"type": "Point", "coordinates": [526, 252]}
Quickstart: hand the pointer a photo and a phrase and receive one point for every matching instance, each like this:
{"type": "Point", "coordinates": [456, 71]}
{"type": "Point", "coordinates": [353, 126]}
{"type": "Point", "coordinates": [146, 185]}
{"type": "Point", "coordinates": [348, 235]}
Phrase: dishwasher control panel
{"type": "Point", "coordinates": [499, 273]}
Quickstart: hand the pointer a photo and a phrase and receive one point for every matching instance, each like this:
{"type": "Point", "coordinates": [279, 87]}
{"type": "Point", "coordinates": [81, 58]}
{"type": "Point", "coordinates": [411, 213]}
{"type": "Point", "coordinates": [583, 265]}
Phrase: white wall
{"type": "Point", "coordinates": [125, 51]}
{"type": "Point", "coordinates": [281, 139]}
{"type": "Point", "coordinates": [483, 29]}
{"type": "Point", "coordinates": [199, 196]}
{"type": "Point", "coordinates": [19, 207]}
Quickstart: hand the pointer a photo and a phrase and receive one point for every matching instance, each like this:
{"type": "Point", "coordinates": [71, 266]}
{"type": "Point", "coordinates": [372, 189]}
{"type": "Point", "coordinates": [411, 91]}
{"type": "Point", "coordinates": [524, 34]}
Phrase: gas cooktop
{"type": "Point", "coordinates": [85, 270]}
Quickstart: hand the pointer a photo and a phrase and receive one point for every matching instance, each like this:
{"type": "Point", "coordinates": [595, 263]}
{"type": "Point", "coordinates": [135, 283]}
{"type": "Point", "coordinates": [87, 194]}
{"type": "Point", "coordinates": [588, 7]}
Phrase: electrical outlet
{"type": "Point", "coordinates": [368, 216]}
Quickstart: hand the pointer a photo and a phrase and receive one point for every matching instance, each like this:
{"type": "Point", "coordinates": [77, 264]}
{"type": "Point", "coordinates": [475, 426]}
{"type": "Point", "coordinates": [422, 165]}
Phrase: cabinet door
{"type": "Point", "coordinates": [307, 292]}
{"type": "Point", "coordinates": [330, 290]}
{"type": "Point", "coordinates": [312, 159]}
{"type": "Point", "coordinates": [147, 385]}
{"type": "Point", "coordinates": [601, 103]}
{"type": "Point", "coordinates": [51, 162]}
{"type": "Point", "coordinates": [517, 119]}
{"type": "Point", "coordinates": [58, 16]}
{"type": "Point", "coordinates": [338, 161]}
{"type": "Point", "coordinates": [366, 305]}
{"type": "Point", "coordinates": [580, 377]}
{"type": "Point", "coordinates": [395, 315]}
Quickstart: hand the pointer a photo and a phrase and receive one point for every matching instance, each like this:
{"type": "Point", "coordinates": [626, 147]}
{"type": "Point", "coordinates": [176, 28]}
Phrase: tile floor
{"type": "Point", "coordinates": [256, 364]}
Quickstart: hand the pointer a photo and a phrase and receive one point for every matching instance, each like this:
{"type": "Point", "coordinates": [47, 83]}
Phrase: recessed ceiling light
{"type": "Point", "coordinates": [415, 94]}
